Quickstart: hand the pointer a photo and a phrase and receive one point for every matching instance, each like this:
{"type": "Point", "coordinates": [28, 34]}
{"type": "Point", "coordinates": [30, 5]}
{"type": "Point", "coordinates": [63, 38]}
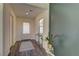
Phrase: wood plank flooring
{"type": "Point", "coordinates": [38, 51]}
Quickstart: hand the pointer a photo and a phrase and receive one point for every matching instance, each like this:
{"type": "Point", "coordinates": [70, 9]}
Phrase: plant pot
{"type": "Point", "coordinates": [49, 46]}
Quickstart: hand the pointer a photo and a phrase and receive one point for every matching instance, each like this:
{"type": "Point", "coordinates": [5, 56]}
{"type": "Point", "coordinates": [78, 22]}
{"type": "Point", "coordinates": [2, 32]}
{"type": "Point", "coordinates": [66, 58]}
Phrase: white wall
{"type": "Point", "coordinates": [45, 16]}
{"type": "Point", "coordinates": [19, 28]}
{"type": "Point", "coordinates": [1, 29]}
{"type": "Point", "coordinates": [7, 13]}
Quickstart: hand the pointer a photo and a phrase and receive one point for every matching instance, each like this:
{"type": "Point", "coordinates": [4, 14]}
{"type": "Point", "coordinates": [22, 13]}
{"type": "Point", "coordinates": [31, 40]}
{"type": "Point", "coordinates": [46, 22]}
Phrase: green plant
{"type": "Point", "coordinates": [49, 41]}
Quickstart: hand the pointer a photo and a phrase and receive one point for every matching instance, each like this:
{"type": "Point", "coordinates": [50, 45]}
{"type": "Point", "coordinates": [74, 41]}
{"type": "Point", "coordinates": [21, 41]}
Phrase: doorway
{"type": "Point", "coordinates": [11, 31]}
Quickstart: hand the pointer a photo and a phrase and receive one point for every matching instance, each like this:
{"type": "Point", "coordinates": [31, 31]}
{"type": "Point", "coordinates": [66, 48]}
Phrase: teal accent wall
{"type": "Point", "coordinates": [65, 24]}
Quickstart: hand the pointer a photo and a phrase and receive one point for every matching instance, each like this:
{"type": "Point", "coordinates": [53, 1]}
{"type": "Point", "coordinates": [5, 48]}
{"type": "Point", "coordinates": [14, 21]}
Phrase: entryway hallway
{"type": "Point", "coordinates": [26, 29]}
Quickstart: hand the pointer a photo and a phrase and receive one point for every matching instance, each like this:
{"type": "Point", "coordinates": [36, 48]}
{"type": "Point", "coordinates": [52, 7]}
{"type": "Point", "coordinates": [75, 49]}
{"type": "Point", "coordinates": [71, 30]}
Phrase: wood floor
{"type": "Point", "coordinates": [37, 51]}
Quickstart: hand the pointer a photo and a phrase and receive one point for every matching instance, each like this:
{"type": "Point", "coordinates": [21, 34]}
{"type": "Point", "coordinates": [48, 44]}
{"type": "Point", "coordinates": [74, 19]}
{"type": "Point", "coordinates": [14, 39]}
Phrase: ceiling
{"type": "Point", "coordinates": [30, 10]}
{"type": "Point", "coordinates": [41, 5]}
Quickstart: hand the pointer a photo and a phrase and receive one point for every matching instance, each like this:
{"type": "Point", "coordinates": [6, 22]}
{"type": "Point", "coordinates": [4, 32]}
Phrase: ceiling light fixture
{"type": "Point", "coordinates": [27, 13]}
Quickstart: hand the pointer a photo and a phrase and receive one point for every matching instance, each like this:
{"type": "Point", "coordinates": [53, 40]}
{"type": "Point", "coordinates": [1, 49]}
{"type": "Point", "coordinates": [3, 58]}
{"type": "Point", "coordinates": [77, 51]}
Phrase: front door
{"type": "Point", "coordinates": [64, 28]}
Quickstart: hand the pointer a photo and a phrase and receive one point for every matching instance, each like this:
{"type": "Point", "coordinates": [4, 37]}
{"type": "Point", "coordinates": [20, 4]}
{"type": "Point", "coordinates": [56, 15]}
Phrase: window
{"type": "Point", "coordinates": [26, 28]}
{"type": "Point", "coordinates": [41, 26]}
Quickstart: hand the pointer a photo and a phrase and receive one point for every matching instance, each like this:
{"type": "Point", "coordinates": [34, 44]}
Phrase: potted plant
{"type": "Point", "coordinates": [50, 44]}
